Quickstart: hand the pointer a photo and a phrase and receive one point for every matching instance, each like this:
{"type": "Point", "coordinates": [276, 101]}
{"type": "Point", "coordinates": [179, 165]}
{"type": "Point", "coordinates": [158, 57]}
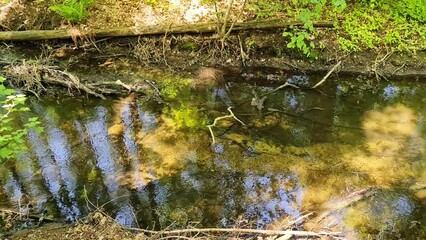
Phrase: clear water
{"type": "Point", "coordinates": [351, 153]}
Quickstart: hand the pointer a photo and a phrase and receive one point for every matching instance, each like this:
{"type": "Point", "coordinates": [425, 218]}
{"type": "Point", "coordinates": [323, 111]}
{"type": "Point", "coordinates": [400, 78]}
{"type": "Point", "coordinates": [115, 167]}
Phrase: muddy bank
{"type": "Point", "coordinates": [119, 58]}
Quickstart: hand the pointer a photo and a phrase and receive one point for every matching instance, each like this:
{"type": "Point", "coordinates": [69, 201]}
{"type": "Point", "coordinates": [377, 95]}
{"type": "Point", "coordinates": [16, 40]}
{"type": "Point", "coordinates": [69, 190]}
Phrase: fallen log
{"type": "Point", "coordinates": [208, 27]}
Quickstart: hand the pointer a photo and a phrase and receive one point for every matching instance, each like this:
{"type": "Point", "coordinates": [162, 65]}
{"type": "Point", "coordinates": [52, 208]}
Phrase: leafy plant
{"type": "Point", "coordinates": [72, 10]}
{"type": "Point", "coordinates": [411, 9]}
{"type": "Point", "coordinates": [398, 25]}
{"type": "Point", "coordinates": [298, 39]}
{"type": "Point", "coordinates": [361, 28]}
{"type": "Point", "coordinates": [12, 138]}
{"type": "Point", "coordinates": [308, 11]}
{"type": "Point", "coordinates": [265, 8]}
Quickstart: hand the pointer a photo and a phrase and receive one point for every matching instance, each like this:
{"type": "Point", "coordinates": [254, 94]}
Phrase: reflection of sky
{"type": "Point", "coordinates": [294, 100]}
{"type": "Point", "coordinates": [27, 176]}
{"type": "Point", "coordinates": [299, 80]}
{"type": "Point", "coordinates": [13, 189]}
{"type": "Point", "coordinates": [190, 180]}
{"type": "Point", "coordinates": [98, 134]}
{"type": "Point", "coordinates": [221, 93]}
{"type": "Point", "coordinates": [161, 193]}
{"type": "Point", "coordinates": [339, 90]}
{"type": "Point", "coordinates": [104, 152]}
{"type": "Point", "coordinates": [79, 129]}
{"type": "Point", "coordinates": [49, 171]}
{"type": "Point", "coordinates": [402, 206]}
{"type": "Point", "coordinates": [268, 197]}
{"type": "Point", "coordinates": [148, 120]}
{"type": "Point", "coordinates": [59, 146]}
{"type": "Point", "coordinates": [125, 216]}
{"type": "Point", "coordinates": [129, 141]}
{"type": "Point", "coordinates": [390, 92]}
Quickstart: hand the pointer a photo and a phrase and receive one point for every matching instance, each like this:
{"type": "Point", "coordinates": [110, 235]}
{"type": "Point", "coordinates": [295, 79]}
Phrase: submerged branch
{"type": "Point", "coordinates": [231, 115]}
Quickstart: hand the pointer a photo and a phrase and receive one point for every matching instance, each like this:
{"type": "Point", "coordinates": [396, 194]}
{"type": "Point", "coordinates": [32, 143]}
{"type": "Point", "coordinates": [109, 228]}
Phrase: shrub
{"type": "Point", "coordinates": [12, 137]}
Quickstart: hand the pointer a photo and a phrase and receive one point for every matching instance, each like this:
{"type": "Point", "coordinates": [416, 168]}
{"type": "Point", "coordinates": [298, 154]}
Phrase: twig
{"type": "Point", "coordinates": [280, 87]}
{"type": "Point", "coordinates": [238, 230]}
{"type": "Point", "coordinates": [377, 63]}
{"type": "Point", "coordinates": [231, 115]}
{"type": "Point", "coordinates": [399, 68]}
{"type": "Point", "coordinates": [298, 219]}
{"type": "Point", "coordinates": [164, 49]}
{"type": "Point", "coordinates": [233, 23]}
{"type": "Point", "coordinates": [225, 18]}
{"type": "Point", "coordinates": [128, 87]}
{"type": "Point", "coordinates": [327, 75]}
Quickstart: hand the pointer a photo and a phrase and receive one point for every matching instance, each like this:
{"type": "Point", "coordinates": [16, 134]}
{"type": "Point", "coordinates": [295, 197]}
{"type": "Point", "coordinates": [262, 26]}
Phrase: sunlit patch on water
{"type": "Point", "coordinates": [354, 157]}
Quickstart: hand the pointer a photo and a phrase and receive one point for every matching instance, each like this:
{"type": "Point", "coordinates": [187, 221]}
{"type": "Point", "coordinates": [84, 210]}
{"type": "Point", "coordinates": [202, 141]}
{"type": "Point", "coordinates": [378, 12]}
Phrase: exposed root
{"type": "Point", "coordinates": [33, 77]}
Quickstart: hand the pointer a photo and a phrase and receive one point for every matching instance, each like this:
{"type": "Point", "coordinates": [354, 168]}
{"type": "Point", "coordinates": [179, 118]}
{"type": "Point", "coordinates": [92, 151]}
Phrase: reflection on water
{"type": "Point", "coordinates": [342, 153]}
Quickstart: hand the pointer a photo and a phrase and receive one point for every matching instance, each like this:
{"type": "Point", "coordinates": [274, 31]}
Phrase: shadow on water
{"type": "Point", "coordinates": [351, 153]}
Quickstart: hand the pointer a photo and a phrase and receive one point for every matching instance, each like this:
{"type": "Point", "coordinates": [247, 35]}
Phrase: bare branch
{"type": "Point", "coordinates": [328, 74]}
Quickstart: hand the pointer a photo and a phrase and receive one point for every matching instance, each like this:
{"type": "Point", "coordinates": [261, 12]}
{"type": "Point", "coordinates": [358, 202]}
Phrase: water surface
{"type": "Point", "coordinates": [352, 153]}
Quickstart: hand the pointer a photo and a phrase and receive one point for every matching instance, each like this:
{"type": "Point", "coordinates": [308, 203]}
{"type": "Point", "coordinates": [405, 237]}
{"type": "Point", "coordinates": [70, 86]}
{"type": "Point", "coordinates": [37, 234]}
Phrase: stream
{"type": "Point", "coordinates": [150, 162]}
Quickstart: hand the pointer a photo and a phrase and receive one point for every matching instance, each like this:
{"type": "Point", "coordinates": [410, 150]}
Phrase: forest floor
{"type": "Point", "coordinates": [257, 48]}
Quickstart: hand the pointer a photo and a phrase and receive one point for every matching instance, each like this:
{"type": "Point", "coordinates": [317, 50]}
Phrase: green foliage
{"type": "Point", "coordinates": [366, 24]}
{"type": "Point", "coordinates": [12, 138]}
{"type": "Point", "coordinates": [361, 27]}
{"type": "Point", "coordinates": [187, 116]}
{"type": "Point", "coordinates": [407, 9]}
{"type": "Point", "coordinates": [151, 2]}
{"type": "Point", "coordinates": [172, 88]}
{"type": "Point", "coordinates": [266, 9]}
{"type": "Point", "coordinates": [176, 91]}
{"type": "Point", "coordinates": [411, 9]}
{"type": "Point", "coordinates": [298, 39]}
{"type": "Point", "coordinates": [72, 10]}
{"type": "Point", "coordinates": [398, 25]}
{"type": "Point", "coordinates": [308, 11]}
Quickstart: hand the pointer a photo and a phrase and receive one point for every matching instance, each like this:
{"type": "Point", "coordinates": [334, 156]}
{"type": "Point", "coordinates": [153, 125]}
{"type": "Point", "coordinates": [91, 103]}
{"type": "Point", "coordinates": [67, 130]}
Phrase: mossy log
{"type": "Point", "coordinates": [151, 30]}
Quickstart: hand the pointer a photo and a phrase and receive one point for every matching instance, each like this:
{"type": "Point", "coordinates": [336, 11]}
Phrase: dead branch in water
{"type": "Point", "coordinates": [231, 115]}
{"type": "Point", "coordinates": [297, 87]}
{"type": "Point", "coordinates": [328, 74]}
{"type": "Point", "coordinates": [240, 231]}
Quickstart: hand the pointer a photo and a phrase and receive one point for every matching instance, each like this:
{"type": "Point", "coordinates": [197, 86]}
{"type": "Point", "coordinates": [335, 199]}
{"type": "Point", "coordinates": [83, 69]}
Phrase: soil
{"type": "Point", "coordinates": [32, 15]}
{"type": "Point", "coordinates": [99, 227]}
